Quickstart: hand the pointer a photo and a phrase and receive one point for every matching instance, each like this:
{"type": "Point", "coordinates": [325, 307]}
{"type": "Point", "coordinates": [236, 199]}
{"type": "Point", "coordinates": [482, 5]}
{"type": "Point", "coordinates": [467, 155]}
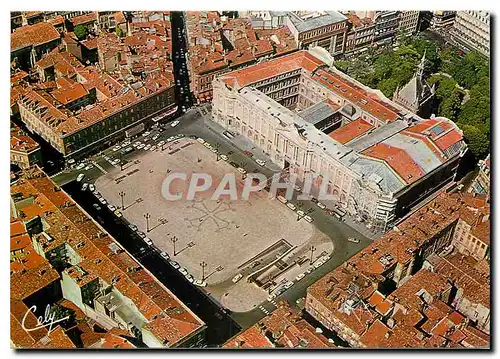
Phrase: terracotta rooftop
{"type": "Point", "coordinates": [351, 131]}
{"type": "Point", "coordinates": [21, 141]}
{"type": "Point", "coordinates": [68, 225]}
{"type": "Point", "coordinates": [33, 35]}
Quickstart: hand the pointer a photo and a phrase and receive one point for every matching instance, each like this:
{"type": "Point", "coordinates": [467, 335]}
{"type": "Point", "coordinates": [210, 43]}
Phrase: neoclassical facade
{"type": "Point", "coordinates": [379, 160]}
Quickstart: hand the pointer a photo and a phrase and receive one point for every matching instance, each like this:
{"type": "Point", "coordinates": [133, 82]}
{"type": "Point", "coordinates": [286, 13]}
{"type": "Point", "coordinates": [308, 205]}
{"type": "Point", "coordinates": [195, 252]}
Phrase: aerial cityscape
{"type": "Point", "coordinates": [250, 179]}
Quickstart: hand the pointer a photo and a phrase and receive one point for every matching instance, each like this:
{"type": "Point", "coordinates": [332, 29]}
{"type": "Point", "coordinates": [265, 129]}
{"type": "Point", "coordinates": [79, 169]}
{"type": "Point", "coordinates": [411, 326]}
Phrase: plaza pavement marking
{"type": "Point", "coordinates": [99, 166]}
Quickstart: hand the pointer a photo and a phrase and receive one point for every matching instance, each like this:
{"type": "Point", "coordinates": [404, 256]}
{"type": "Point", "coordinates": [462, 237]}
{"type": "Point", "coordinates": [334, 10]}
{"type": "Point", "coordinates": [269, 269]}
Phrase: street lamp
{"type": "Point", "coordinates": [203, 264]}
{"type": "Point", "coordinates": [147, 216]}
{"type": "Point", "coordinates": [312, 249]}
{"type": "Point", "coordinates": [122, 194]}
{"type": "Point", "coordinates": [174, 240]}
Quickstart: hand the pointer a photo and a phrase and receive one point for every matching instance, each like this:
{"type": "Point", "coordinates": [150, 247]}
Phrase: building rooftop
{"type": "Point", "coordinates": [33, 35]}
{"type": "Point", "coordinates": [284, 328]}
{"type": "Point", "coordinates": [20, 141]}
{"type": "Point", "coordinates": [310, 20]}
{"type": "Point", "coordinates": [102, 257]}
{"type": "Point", "coordinates": [351, 131]}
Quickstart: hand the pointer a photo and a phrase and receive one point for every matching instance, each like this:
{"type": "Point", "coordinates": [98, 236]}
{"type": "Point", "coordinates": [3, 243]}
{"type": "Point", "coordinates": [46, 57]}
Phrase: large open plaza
{"type": "Point", "coordinates": [230, 236]}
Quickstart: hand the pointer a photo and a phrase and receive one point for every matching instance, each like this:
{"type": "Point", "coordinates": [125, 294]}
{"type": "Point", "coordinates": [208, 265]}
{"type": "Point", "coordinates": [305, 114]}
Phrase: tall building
{"type": "Point", "coordinates": [360, 35]}
{"type": "Point", "coordinates": [327, 29]}
{"type": "Point", "coordinates": [386, 26]}
{"type": "Point", "coordinates": [409, 21]}
{"type": "Point", "coordinates": [377, 159]}
{"type": "Point", "coordinates": [472, 30]}
{"type": "Point", "coordinates": [417, 94]}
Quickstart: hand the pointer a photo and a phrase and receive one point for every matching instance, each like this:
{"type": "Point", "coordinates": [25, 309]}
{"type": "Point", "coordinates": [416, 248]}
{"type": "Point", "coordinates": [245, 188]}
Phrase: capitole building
{"type": "Point", "coordinates": [380, 160]}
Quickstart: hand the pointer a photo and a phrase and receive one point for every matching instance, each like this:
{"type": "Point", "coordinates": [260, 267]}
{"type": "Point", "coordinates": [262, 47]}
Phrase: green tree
{"type": "Point", "coordinates": [119, 31]}
{"type": "Point", "coordinates": [477, 140]}
{"type": "Point", "coordinates": [81, 32]}
{"type": "Point", "coordinates": [450, 107]}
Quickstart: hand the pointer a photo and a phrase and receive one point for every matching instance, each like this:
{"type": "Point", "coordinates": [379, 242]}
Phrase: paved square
{"type": "Point", "coordinates": [225, 234]}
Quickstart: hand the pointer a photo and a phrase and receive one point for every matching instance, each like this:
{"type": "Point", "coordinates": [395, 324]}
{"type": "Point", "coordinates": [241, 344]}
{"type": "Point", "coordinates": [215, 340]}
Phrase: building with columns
{"type": "Point", "coordinates": [472, 29]}
{"type": "Point", "coordinates": [317, 123]}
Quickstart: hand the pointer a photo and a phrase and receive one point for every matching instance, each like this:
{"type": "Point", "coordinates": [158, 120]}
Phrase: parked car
{"type": "Point", "coordinates": [241, 170]}
{"type": "Point", "coordinates": [132, 227]}
{"type": "Point", "coordinates": [291, 206]}
{"type": "Point", "coordinates": [319, 263]}
{"type": "Point", "coordinates": [175, 123]}
{"type": "Point", "coordinates": [200, 283]}
{"type": "Point", "coordinates": [190, 278]}
{"type": "Point", "coordinates": [141, 234]}
{"type": "Point", "coordinates": [147, 147]}
{"type": "Point", "coordinates": [224, 157]}
{"type": "Point", "coordinates": [103, 201]}
{"type": "Point", "coordinates": [146, 134]}
{"type": "Point", "coordinates": [321, 205]}
{"type": "Point", "coordinates": [155, 137]}
{"type": "Point", "coordinates": [174, 264]}
{"type": "Point", "coordinates": [271, 297]}
{"type": "Point", "coordinates": [89, 167]}
{"type": "Point", "coordinates": [91, 188]}
{"type": "Point", "coordinates": [282, 199]}
{"type": "Point", "coordinates": [85, 186]}
{"type": "Point", "coordinates": [288, 285]}
{"type": "Point", "coordinates": [300, 276]}
{"type": "Point", "coordinates": [148, 241]}
{"type": "Point", "coordinates": [260, 162]}
{"type": "Point", "coordinates": [248, 153]}
{"type": "Point", "coordinates": [111, 207]}
{"type": "Point", "coordinates": [200, 140]}
{"type": "Point", "coordinates": [301, 213]}
{"type": "Point", "coordinates": [141, 146]}
{"type": "Point", "coordinates": [237, 278]}
{"type": "Point", "coordinates": [308, 219]}
{"type": "Point", "coordinates": [80, 177]}
{"type": "Point", "coordinates": [96, 206]}
{"type": "Point", "coordinates": [118, 213]}
{"type": "Point", "coordinates": [183, 271]}
{"type": "Point", "coordinates": [165, 255]}
{"type": "Point", "coordinates": [153, 148]}
{"type": "Point", "coordinates": [116, 148]}
{"type": "Point", "coordinates": [353, 240]}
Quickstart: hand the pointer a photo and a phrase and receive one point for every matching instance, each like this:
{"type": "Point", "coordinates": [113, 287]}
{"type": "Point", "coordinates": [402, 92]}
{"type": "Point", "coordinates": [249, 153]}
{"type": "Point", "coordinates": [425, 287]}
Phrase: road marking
{"type": "Point", "coordinates": [99, 166]}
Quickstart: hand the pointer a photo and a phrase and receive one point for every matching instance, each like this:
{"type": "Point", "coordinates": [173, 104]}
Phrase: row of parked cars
{"type": "Point", "coordinates": [287, 284]}
{"type": "Point", "coordinates": [293, 207]}
{"type": "Point", "coordinates": [184, 272]}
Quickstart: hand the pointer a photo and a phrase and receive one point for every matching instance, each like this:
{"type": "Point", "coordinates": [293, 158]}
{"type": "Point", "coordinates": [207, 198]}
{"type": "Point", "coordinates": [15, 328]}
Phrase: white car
{"type": "Point", "coordinates": [141, 234]}
{"type": "Point", "coordinates": [140, 146]}
{"type": "Point", "coordinates": [103, 201]}
{"type": "Point", "coordinates": [85, 186]}
{"type": "Point", "coordinates": [161, 143]}
{"type": "Point", "coordinates": [155, 137]}
{"type": "Point", "coordinates": [111, 208]}
{"type": "Point", "coordinates": [288, 285]}
{"type": "Point", "coordinates": [183, 271]}
{"type": "Point", "coordinates": [147, 147]}
{"type": "Point", "coordinates": [136, 144]}
{"type": "Point", "coordinates": [271, 297]}
{"type": "Point", "coordinates": [321, 205]}
{"type": "Point", "coordinates": [165, 255]}
{"type": "Point", "coordinates": [175, 123]}
{"type": "Point", "coordinates": [300, 213]}
{"type": "Point", "coordinates": [118, 213]}
{"type": "Point", "coordinates": [80, 177]}
{"type": "Point", "coordinates": [242, 170]}
{"type": "Point", "coordinates": [174, 264]}
{"type": "Point", "coordinates": [190, 278]}
{"type": "Point", "coordinates": [237, 278]}
{"type": "Point", "coordinates": [116, 148]}
{"type": "Point", "coordinates": [89, 167]}
{"type": "Point", "coordinates": [291, 206]}
{"type": "Point", "coordinates": [214, 150]}
{"type": "Point", "coordinates": [170, 139]}
{"type": "Point", "coordinates": [260, 162]}
{"type": "Point", "coordinates": [319, 263]}
{"type": "Point", "coordinates": [200, 140]}
{"type": "Point", "coordinates": [224, 157]}
{"type": "Point", "coordinates": [200, 283]}
{"type": "Point", "coordinates": [148, 241]}
{"type": "Point", "coordinates": [132, 227]}
{"type": "Point", "coordinates": [300, 276]}
{"type": "Point", "coordinates": [96, 193]}
{"type": "Point", "coordinates": [71, 161]}
{"type": "Point", "coordinates": [92, 188]}
{"type": "Point", "coordinates": [80, 166]}
{"type": "Point", "coordinates": [183, 108]}
{"type": "Point", "coordinates": [146, 134]}
{"type": "Point", "coordinates": [153, 148]}
{"type": "Point", "coordinates": [353, 240]}
{"type": "Point", "coordinates": [115, 161]}
{"type": "Point", "coordinates": [308, 219]}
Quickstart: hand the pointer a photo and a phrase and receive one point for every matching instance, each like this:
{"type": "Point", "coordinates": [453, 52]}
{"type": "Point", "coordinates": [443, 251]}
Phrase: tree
{"type": "Point", "coordinates": [477, 140]}
{"type": "Point", "coordinates": [450, 107]}
{"type": "Point", "coordinates": [119, 31]}
{"type": "Point", "coordinates": [81, 32]}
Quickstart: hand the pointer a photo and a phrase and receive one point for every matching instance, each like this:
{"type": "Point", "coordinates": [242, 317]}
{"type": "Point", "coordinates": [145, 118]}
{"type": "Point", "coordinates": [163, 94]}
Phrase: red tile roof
{"type": "Point", "coordinates": [33, 35]}
{"type": "Point", "coordinates": [351, 131]}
